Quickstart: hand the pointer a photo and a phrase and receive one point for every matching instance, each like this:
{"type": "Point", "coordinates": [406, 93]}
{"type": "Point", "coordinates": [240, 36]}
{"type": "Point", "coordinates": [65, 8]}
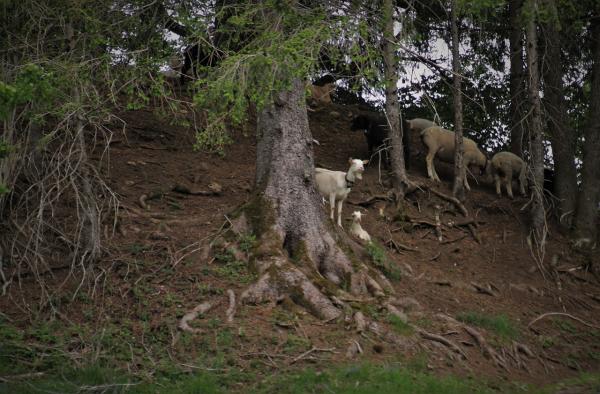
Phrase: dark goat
{"type": "Point", "coordinates": [376, 132]}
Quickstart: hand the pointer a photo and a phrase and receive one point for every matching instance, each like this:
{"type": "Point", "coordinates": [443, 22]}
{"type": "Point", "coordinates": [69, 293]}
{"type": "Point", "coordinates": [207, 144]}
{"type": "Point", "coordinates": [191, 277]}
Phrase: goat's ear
{"type": "Point", "coordinates": [365, 162]}
{"type": "Point", "coordinates": [350, 161]}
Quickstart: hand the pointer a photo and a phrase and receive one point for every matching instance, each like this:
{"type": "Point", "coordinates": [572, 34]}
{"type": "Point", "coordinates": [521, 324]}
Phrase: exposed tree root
{"type": "Point", "coordinates": [444, 341]}
{"type": "Point", "coordinates": [354, 349]}
{"type": "Point", "coordinates": [361, 322]}
{"type": "Point", "coordinates": [279, 279]}
{"type": "Point", "coordinates": [487, 350]}
{"type": "Point", "coordinates": [191, 315]}
{"type": "Point", "coordinates": [230, 313]}
{"type": "Point", "coordinates": [561, 314]}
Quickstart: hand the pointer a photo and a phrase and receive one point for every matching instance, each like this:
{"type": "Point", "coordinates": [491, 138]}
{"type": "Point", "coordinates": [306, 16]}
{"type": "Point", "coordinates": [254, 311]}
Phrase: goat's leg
{"type": "Point", "coordinates": [332, 206]}
{"type": "Point", "coordinates": [466, 182]}
{"type": "Point", "coordinates": [339, 217]}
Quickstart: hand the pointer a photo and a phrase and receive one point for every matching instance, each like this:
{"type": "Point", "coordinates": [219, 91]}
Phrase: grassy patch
{"type": "Point", "coordinates": [380, 260]}
{"type": "Point", "coordinates": [368, 378]}
{"type": "Point", "coordinates": [399, 326]}
{"type": "Point", "coordinates": [501, 325]}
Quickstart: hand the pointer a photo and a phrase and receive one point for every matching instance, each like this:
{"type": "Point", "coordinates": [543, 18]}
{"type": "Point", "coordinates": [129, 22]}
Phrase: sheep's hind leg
{"type": "Point", "coordinates": [430, 168]}
{"type": "Point", "coordinates": [498, 186]}
{"type": "Point", "coordinates": [466, 182]}
{"type": "Point", "coordinates": [508, 180]}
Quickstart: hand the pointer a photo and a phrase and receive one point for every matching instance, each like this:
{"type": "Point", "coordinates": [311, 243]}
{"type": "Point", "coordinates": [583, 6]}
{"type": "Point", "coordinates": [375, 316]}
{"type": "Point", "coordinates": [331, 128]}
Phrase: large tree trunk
{"type": "Point", "coordinates": [562, 137]}
{"type": "Point", "coordinates": [392, 108]}
{"type": "Point", "coordinates": [587, 202]}
{"type": "Point", "coordinates": [538, 217]}
{"type": "Point", "coordinates": [298, 253]}
{"type": "Point", "coordinates": [517, 78]}
{"type": "Point", "coordinates": [458, 188]}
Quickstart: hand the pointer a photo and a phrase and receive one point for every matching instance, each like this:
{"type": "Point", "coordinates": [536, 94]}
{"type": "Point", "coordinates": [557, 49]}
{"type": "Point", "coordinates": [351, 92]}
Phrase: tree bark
{"type": "Point", "coordinates": [458, 188]}
{"type": "Point", "coordinates": [587, 202]}
{"type": "Point", "coordinates": [538, 218]}
{"type": "Point", "coordinates": [298, 253]}
{"type": "Point", "coordinates": [517, 78]}
{"type": "Point", "coordinates": [562, 137]}
{"type": "Point", "coordinates": [392, 108]}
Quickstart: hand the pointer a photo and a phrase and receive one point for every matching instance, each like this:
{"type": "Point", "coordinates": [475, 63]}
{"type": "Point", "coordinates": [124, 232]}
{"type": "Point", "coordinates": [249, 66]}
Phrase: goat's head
{"type": "Point", "coordinates": [357, 167]}
{"type": "Point", "coordinates": [357, 216]}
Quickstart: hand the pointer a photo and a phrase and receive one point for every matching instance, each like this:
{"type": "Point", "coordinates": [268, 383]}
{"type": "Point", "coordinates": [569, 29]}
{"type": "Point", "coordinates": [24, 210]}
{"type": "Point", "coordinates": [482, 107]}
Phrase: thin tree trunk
{"type": "Point", "coordinates": [587, 202]}
{"type": "Point", "coordinates": [562, 137]}
{"type": "Point", "coordinates": [538, 221]}
{"type": "Point", "coordinates": [458, 188]}
{"type": "Point", "coordinates": [392, 108]}
{"type": "Point", "coordinates": [517, 78]}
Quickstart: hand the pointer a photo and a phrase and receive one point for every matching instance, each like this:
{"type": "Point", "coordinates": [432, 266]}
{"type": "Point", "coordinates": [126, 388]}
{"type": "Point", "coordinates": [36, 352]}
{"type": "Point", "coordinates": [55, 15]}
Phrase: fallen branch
{"type": "Point", "coordinates": [438, 226]}
{"type": "Point", "coordinates": [231, 310]}
{"type": "Point", "coordinates": [312, 350]}
{"type": "Point", "coordinates": [191, 315]}
{"type": "Point", "coordinates": [215, 190]}
{"type": "Point", "coordinates": [483, 289]}
{"type": "Point", "coordinates": [142, 202]}
{"type": "Point", "coordinates": [561, 314]}
{"type": "Point", "coordinates": [449, 241]}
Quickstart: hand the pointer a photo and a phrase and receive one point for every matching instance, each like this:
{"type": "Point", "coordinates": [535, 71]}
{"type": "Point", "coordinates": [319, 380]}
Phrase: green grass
{"type": "Point", "coordinates": [380, 260]}
{"type": "Point", "coordinates": [368, 378]}
{"type": "Point", "coordinates": [400, 326]}
{"type": "Point", "coordinates": [501, 325]}
{"type": "Point", "coordinates": [364, 378]}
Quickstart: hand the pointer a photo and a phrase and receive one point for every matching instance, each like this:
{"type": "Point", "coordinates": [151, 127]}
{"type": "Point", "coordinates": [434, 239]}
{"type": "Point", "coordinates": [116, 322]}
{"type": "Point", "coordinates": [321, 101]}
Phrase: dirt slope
{"type": "Point", "coordinates": [156, 269]}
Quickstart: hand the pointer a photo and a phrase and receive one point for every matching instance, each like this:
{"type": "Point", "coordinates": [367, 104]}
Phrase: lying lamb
{"type": "Point", "coordinates": [505, 165]}
{"type": "Point", "coordinates": [440, 142]}
{"type": "Point", "coordinates": [376, 133]}
{"type": "Point", "coordinates": [336, 185]}
{"type": "Point", "coordinates": [357, 230]}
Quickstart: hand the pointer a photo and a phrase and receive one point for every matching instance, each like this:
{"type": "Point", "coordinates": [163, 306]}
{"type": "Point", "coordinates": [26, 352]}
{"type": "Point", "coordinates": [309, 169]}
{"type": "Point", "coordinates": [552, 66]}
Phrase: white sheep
{"type": "Point", "coordinates": [440, 142]}
{"type": "Point", "coordinates": [505, 165]}
{"type": "Point", "coordinates": [336, 185]}
{"type": "Point", "coordinates": [419, 124]}
{"type": "Point", "coordinates": [357, 230]}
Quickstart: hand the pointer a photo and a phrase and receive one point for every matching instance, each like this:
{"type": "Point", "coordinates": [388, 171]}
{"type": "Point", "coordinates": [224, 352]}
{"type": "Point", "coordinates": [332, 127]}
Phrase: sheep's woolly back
{"type": "Point", "coordinates": [503, 161]}
{"type": "Point", "coordinates": [441, 141]}
{"type": "Point", "coordinates": [419, 124]}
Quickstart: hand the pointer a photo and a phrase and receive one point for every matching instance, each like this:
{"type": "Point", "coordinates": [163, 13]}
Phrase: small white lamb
{"type": "Point", "coordinates": [357, 230]}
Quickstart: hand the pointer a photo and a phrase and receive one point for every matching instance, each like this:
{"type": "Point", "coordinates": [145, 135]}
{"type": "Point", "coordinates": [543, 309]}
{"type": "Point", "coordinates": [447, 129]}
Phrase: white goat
{"type": "Point", "coordinates": [336, 185]}
{"type": "Point", "coordinates": [504, 165]}
{"type": "Point", "coordinates": [440, 142]}
{"type": "Point", "coordinates": [357, 230]}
